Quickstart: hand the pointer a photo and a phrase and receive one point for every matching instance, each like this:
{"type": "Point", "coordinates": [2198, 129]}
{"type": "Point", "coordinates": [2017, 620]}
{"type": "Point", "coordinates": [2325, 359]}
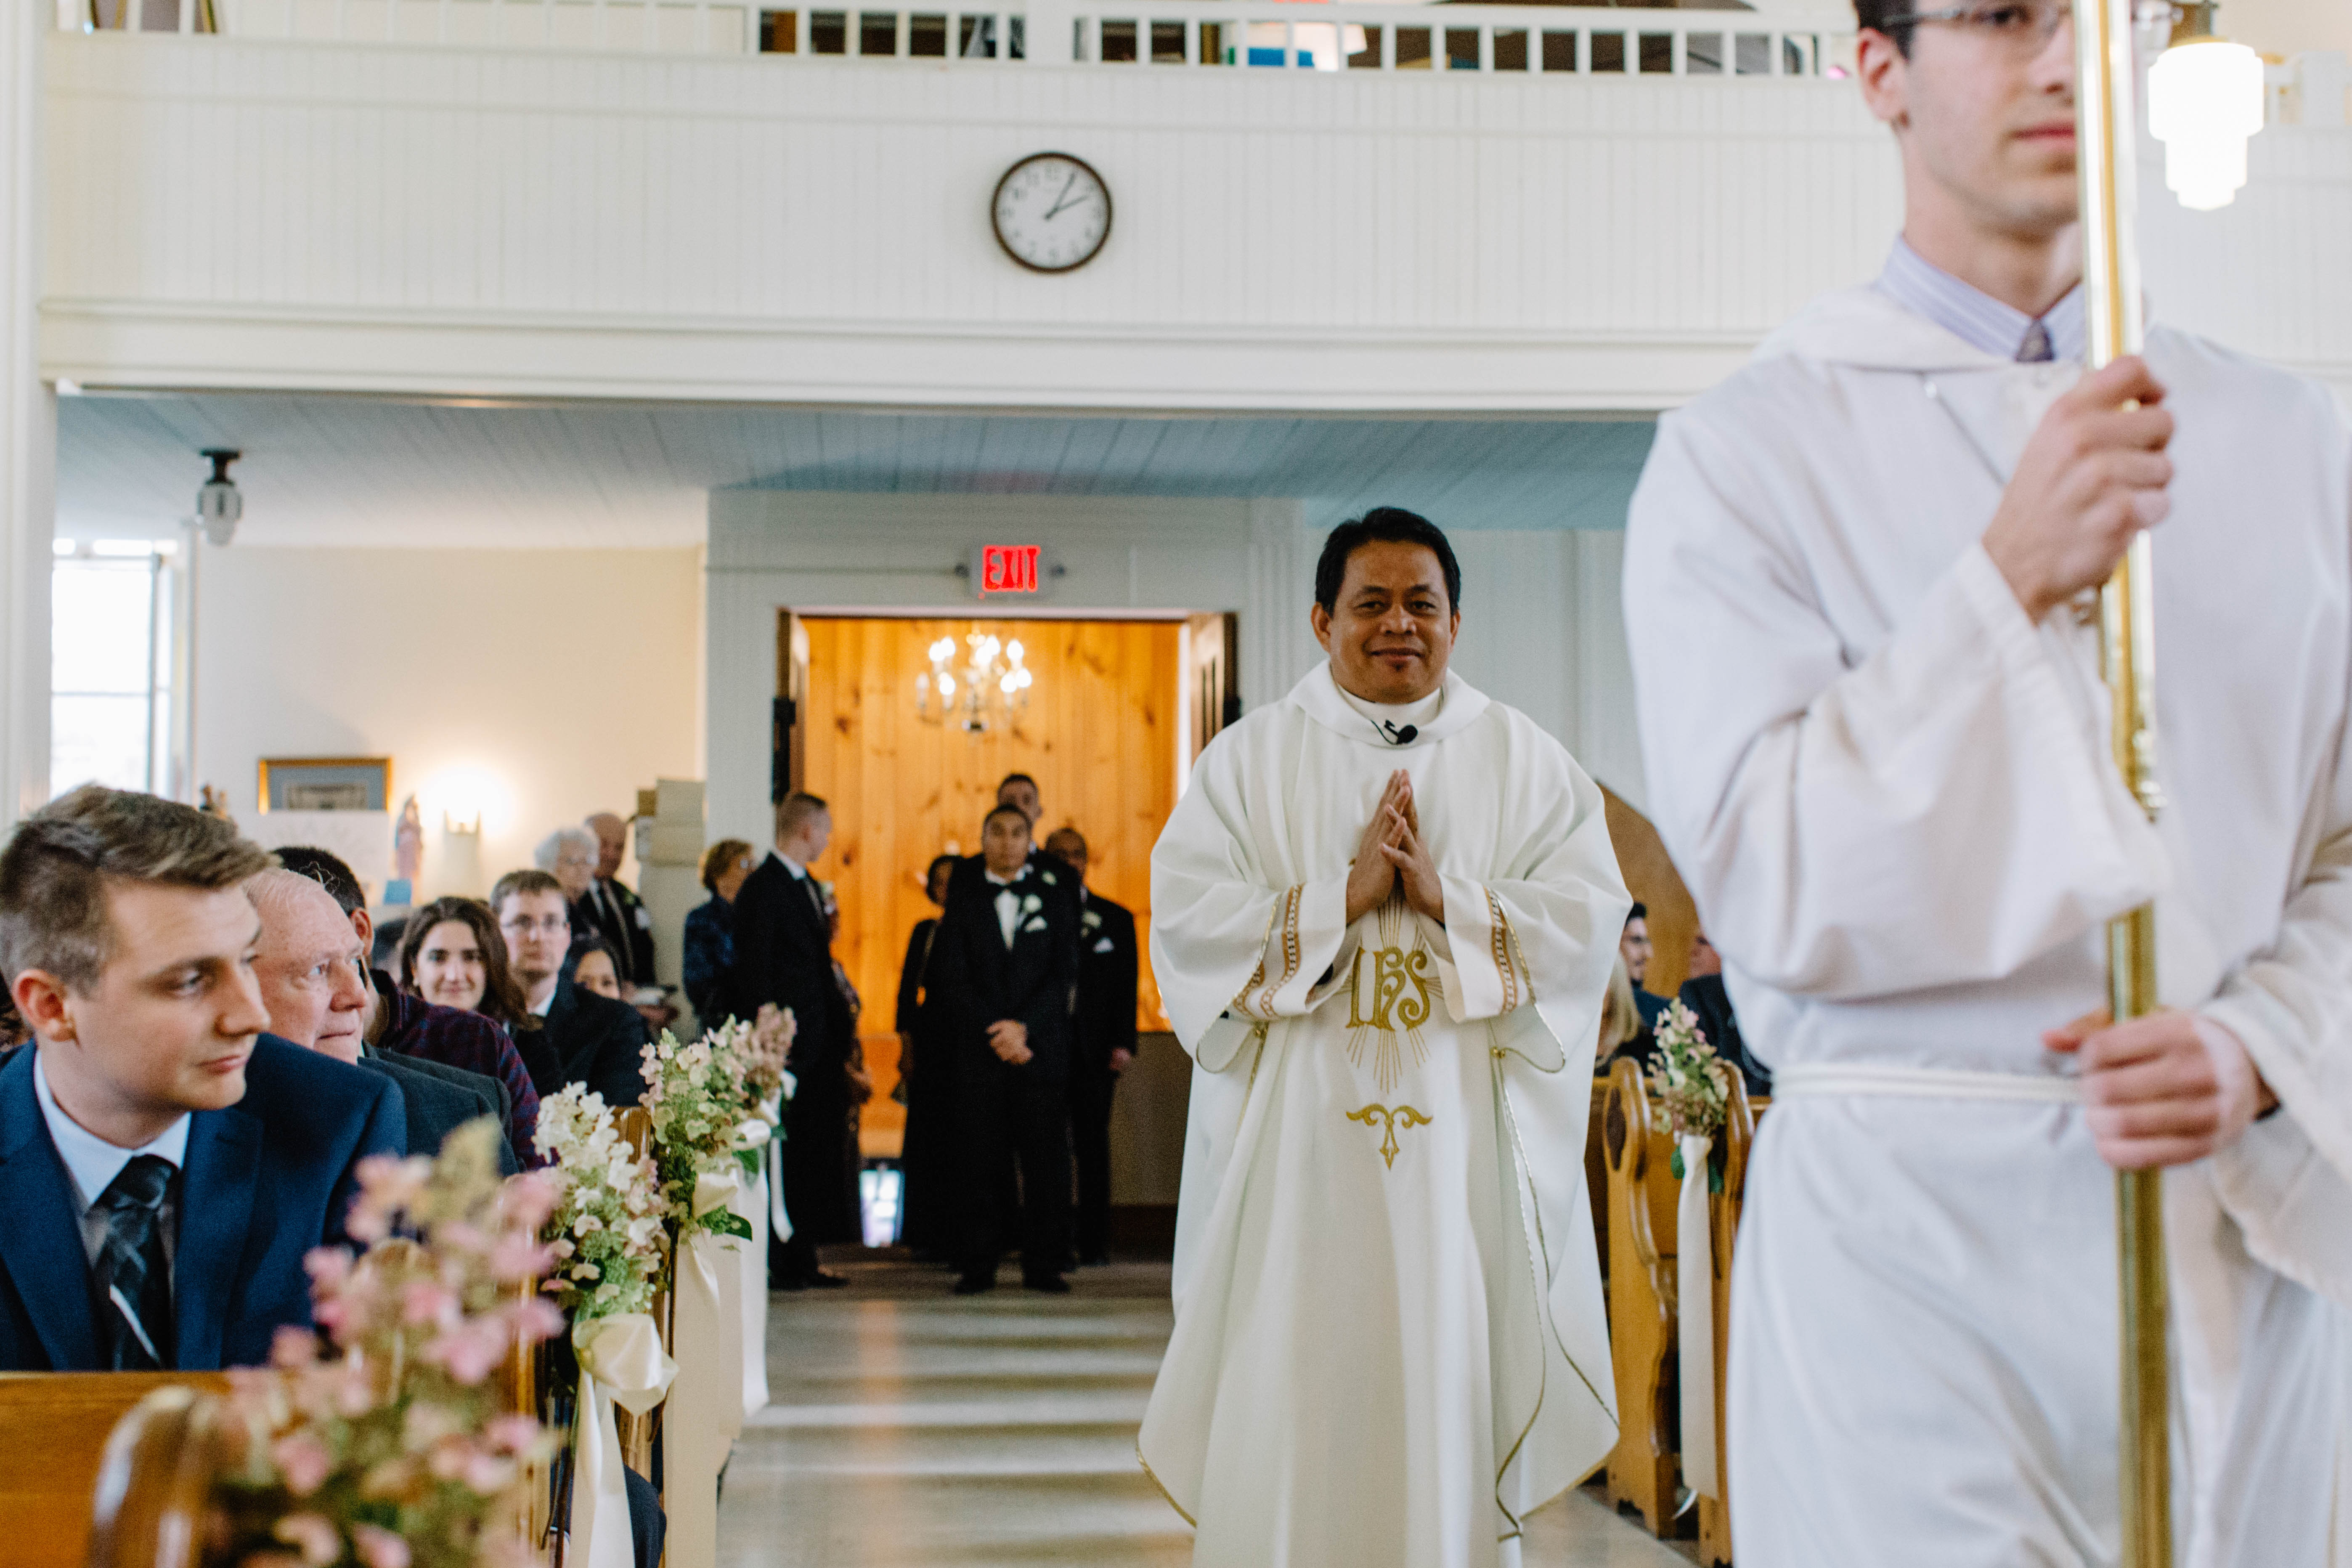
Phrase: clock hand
{"type": "Point", "coordinates": [1062, 200]}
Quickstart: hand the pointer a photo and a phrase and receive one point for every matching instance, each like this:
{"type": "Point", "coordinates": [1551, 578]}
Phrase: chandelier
{"type": "Point", "coordinates": [992, 684]}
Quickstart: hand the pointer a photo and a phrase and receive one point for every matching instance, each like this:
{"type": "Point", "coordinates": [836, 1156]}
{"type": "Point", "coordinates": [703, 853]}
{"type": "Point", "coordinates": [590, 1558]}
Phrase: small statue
{"type": "Point", "coordinates": [212, 801]}
{"type": "Point", "coordinates": [408, 842]}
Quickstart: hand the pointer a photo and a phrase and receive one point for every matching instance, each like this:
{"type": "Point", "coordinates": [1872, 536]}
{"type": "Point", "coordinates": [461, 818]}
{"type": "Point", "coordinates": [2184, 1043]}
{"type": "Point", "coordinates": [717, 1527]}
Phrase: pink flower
{"type": "Point", "coordinates": [470, 1352]}
{"type": "Point", "coordinates": [428, 1301]}
{"type": "Point", "coordinates": [488, 1473]}
{"type": "Point", "coordinates": [537, 1319]}
{"type": "Point", "coordinates": [379, 1548]}
{"type": "Point", "coordinates": [519, 1255]}
{"type": "Point", "coordinates": [328, 1266]}
{"type": "Point", "coordinates": [305, 1463]}
{"type": "Point", "coordinates": [530, 1198]}
{"type": "Point", "coordinates": [291, 1348]}
{"type": "Point", "coordinates": [313, 1535]}
{"type": "Point", "coordinates": [511, 1434]}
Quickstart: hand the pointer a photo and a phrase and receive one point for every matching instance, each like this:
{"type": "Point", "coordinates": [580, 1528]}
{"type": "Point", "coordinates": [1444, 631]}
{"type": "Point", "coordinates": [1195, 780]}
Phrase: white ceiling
{"type": "Point", "coordinates": [327, 470]}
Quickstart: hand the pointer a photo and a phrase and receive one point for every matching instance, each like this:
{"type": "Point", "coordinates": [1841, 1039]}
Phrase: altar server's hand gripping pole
{"type": "Point", "coordinates": [2105, 144]}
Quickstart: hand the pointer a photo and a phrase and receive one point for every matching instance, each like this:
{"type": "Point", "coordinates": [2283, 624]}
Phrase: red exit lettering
{"type": "Point", "coordinates": [1008, 568]}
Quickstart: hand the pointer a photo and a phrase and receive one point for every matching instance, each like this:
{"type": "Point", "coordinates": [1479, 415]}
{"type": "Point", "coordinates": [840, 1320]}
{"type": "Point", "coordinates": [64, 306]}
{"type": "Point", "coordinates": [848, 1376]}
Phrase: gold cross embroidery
{"type": "Point", "coordinates": [1390, 1119]}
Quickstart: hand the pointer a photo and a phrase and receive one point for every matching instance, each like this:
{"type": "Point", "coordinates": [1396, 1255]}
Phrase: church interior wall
{"type": "Point", "coordinates": [537, 685]}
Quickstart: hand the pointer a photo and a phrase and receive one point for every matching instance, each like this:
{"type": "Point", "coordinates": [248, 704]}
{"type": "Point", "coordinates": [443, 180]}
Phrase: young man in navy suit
{"type": "Point", "coordinates": [164, 1166]}
{"type": "Point", "coordinates": [1004, 971]}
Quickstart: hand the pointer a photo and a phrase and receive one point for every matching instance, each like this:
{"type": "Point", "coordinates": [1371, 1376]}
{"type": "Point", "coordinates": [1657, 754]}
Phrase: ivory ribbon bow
{"type": "Point", "coordinates": [706, 1407]}
{"type": "Point", "coordinates": [1695, 1295]}
{"type": "Point", "coordinates": [751, 1288]}
{"type": "Point", "coordinates": [621, 1363]}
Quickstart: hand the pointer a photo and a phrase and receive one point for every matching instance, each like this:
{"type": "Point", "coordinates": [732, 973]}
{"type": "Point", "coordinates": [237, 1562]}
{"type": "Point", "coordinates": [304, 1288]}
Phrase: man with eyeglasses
{"type": "Point", "coordinates": [596, 1040]}
{"type": "Point", "coordinates": [1877, 740]}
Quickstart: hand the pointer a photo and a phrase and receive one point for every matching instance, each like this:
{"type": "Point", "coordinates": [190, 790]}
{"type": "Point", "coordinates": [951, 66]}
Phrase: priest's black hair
{"type": "Point", "coordinates": [1640, 911]}
{"type": "Point", "coordinates": [1383, 525]}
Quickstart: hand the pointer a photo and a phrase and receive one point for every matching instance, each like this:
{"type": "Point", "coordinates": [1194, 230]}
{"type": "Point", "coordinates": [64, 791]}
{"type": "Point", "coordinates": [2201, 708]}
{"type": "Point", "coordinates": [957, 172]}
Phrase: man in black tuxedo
{"type": "Point", "coordinates": [593, 1040]}
{"type": "Point", "coordinates": [1004, 969]}
{"type": "Point", "coordinates": [1705, 995]}
{"type": "Point", "coordinates": [615, 910]}
{"type": "Point", "coordinates": [783, 954]}
{"type": "Point", "coordinates": [312, 970]}
{"type": "Point", "coordinates": [1102, 1039]}
{"type": "Point", "coordinates": [164, 1166]}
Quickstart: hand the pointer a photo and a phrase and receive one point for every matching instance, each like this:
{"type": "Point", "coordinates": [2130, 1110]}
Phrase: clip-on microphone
{"type": "Point", "coordinates": [1397, 737]}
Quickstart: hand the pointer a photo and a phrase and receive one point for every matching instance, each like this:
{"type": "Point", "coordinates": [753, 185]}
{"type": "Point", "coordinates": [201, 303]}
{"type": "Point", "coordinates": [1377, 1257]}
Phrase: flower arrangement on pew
{"type": "Point", "coordinates": [605, 1231]}
{"type": "Point", "coordinates": [608, 1234]}
{"type": "Point", "coordinates": [715, 1106]}
{"type": "Point", "coordinates": [395, 1454]}
{"type": "Point", "coordinates": [1690, 1085]}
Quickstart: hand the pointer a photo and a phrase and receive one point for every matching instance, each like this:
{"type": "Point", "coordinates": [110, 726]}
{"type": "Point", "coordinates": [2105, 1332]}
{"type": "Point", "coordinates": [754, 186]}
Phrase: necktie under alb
{"type": "Point", "coordinates": [131, 1278]}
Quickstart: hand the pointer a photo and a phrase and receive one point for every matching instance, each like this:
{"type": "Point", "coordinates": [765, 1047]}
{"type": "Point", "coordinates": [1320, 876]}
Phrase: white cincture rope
{"type": "Point", "coordinates": [1921, 1083]}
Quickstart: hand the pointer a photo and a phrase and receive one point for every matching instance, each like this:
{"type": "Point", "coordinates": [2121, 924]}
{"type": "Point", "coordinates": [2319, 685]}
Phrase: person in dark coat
{"type": "Point", "coordinates": [591, 1039]}
{"type": "Point", "coordinates": [1102, 1039]}
{"type": "Point", "coordinates": [710, 931]}
{"type": "Point", "coordinates": [312, 967]}
{"type": "Point", "coordinates": [783, 954]}
{"type": "Point", "coordinates": [927, 1154]}
{"type": "Point", "coordinates": [1705, 995]}
{"type": "Point", "coordinates": [164, 1166]}
{"type": "Point", "coordinates": [1004, 971]}
{"type": "Point", "coordinates": [613, 909]}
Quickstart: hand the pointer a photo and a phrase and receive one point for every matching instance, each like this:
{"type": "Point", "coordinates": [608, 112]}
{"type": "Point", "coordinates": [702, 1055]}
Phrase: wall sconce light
{"type": "Point", "coordinates": [462, 819]}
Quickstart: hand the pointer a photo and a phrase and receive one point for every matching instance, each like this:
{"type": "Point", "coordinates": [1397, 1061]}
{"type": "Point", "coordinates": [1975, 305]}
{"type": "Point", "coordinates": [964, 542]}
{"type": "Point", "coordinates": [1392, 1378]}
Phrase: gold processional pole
{"type": "Point", "coordinates": [2106, 155]}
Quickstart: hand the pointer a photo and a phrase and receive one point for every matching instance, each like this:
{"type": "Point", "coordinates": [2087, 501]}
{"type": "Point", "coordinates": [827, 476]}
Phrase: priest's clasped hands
{"type": "Point", "coordinates": [1391, 856]}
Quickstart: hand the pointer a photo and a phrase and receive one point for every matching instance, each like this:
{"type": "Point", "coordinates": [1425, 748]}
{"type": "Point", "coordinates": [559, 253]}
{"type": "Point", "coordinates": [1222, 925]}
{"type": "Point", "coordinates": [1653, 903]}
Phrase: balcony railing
{"type": "Point", "coordinates": [1342, 36]}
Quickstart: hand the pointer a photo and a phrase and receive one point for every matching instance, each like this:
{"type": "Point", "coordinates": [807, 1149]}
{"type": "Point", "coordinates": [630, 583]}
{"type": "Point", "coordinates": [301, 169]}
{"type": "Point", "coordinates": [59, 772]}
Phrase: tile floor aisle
{"type": "Point", "coordinates": [914, 1429]}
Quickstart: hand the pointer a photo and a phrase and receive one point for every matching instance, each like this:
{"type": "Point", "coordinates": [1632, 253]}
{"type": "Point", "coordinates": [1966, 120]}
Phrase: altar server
{"type": "Point", "coordinates": [1383, 916]}
{"type": "Point", "coordinates": [1858, 585]}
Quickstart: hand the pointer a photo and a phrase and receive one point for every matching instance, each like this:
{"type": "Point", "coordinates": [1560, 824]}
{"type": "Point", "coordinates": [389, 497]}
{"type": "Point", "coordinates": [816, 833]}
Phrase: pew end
{"type": "Point", "coordinates": [1643, 1468]}
{"type": "Point", "coordinates": [105, 1486]}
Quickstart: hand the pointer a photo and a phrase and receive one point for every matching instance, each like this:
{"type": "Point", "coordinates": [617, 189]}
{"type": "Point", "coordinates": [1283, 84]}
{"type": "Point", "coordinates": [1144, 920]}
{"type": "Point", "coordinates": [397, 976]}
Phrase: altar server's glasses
{"type": "Point", "coordinates": [2023, 24]}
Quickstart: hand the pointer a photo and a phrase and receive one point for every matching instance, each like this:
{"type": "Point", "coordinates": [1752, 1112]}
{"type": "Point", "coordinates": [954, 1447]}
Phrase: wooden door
{"type": "Point", "coordinates": [1213, 693]}
{"type": "Point", "coordinates": [787, 743]}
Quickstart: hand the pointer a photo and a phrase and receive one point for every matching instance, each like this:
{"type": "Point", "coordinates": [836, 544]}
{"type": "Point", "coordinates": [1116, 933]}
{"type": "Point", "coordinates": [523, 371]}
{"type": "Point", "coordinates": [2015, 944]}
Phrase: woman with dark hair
{"type": "Point", "coordinates": [453, 955]}
{"type": "Point", "coordinates": [594, 964]}
{"type": "Point", "coordinates": [710, 929]}
{"type": "Point", "coordinates": [925, 1155]}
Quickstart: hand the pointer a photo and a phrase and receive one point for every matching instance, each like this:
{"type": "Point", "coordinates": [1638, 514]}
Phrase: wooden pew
{"type": "Point", "coordinates": [1723, 1227]}
{"type": "Point", "coordinates": [1643, 1191]}
{"type": "Point", "coordinates": [637, 1432]}
{"type": "Point", "coordinates": [55, 1425]}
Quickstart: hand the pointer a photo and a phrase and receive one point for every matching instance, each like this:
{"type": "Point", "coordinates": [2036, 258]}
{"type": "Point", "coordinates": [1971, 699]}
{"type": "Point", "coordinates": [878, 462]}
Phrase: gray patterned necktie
{"type": "Point", "coordinates": [2035, 349]}
{"type": "Point", "coordinates": [131, 1278]}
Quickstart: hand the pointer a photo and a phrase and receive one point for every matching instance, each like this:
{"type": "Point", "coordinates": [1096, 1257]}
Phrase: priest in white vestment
{"type": "Point", "coordinates": [1874, 738]}
{"type": "Point", "coordinates": [1383, 918]}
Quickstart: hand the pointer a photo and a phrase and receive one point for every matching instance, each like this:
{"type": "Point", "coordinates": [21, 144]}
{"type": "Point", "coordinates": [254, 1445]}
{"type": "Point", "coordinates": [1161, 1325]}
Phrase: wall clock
{"type": "Point", "coordinates": [1052, 212]}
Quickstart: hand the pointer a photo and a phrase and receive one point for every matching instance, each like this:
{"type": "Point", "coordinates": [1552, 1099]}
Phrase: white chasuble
{"type": "Point", "coordinates": [1389, 1342]}
{"type": "Point", "coordinates": [1889, 793]}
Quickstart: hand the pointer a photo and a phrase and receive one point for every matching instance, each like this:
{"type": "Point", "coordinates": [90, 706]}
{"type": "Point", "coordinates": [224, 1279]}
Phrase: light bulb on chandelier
{"type": "Point", "coordinates": [994, 685]}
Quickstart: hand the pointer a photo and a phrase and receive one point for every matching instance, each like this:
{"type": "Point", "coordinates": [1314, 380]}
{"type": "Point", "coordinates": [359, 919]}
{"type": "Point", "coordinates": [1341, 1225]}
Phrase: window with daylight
{"type": "Point", "coordinates": [111, 667]}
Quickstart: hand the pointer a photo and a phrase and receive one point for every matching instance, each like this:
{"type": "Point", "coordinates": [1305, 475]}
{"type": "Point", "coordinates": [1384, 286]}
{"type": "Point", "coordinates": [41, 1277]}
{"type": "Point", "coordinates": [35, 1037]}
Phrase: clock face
{"type": "Point", "coordinates": [1052, 212]}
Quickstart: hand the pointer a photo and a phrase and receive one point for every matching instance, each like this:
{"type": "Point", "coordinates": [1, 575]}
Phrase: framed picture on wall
{"type": "Point", "coordinates": [325, 783]}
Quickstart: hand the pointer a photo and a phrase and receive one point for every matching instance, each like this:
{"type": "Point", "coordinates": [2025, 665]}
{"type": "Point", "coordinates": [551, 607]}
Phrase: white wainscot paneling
{"type": "Point", "coordinates": [386, 218]}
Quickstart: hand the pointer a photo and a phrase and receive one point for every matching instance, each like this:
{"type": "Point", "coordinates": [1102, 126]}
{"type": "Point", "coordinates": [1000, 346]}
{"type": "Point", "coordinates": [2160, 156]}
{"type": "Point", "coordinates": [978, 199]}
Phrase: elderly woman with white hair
{"type": "Point", "coordinates": [569, 855]}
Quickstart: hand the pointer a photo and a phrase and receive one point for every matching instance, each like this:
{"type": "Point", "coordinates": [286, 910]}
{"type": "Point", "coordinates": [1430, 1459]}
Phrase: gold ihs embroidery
{"type": "Point", "coordinates": [1390, 1119]}
{"type": "Point", "coordinates": [1391, 992]}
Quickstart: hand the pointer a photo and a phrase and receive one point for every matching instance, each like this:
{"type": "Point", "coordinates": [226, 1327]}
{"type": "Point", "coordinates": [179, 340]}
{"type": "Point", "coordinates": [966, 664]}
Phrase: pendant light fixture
{"type": "Point", "coordinates": [2204, 102]}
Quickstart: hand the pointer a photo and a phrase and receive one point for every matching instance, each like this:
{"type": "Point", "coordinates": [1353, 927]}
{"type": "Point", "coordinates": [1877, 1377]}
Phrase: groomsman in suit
{"type": "Point", "coordinates": [593, 1040]}
{"type": "Point", "coordinates": [1102, 1039]}
{"type": "Point", "coordinates": [784, 954]}
{"type": "Point", "coordinates": [164, 1165]}
{"type": "Point", "coordinates": [615, 910]}
{"type": "Point", "coordinates": [1004, 969]}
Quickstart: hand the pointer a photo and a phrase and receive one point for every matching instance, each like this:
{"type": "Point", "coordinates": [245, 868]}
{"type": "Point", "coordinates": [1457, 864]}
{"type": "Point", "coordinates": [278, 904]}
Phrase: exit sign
{"type": "Point", "coordinates": [1007, 569]}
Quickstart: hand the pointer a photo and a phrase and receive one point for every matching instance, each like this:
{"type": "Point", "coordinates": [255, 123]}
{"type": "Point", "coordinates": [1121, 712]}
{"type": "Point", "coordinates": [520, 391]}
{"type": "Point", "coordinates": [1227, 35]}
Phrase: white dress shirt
{"type": "Point", "coordinates": [1008, 907]}
{"type": "Point", "coordinates": [93, 1163]}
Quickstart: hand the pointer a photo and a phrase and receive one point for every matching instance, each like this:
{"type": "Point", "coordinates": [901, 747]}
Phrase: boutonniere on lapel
{"type": "Point", "coordinates": [1093, 921]}
{"type": "Point", "coordinates": [1032, 907]}
{"type": "Point", "coordinates": [1048, 876]}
